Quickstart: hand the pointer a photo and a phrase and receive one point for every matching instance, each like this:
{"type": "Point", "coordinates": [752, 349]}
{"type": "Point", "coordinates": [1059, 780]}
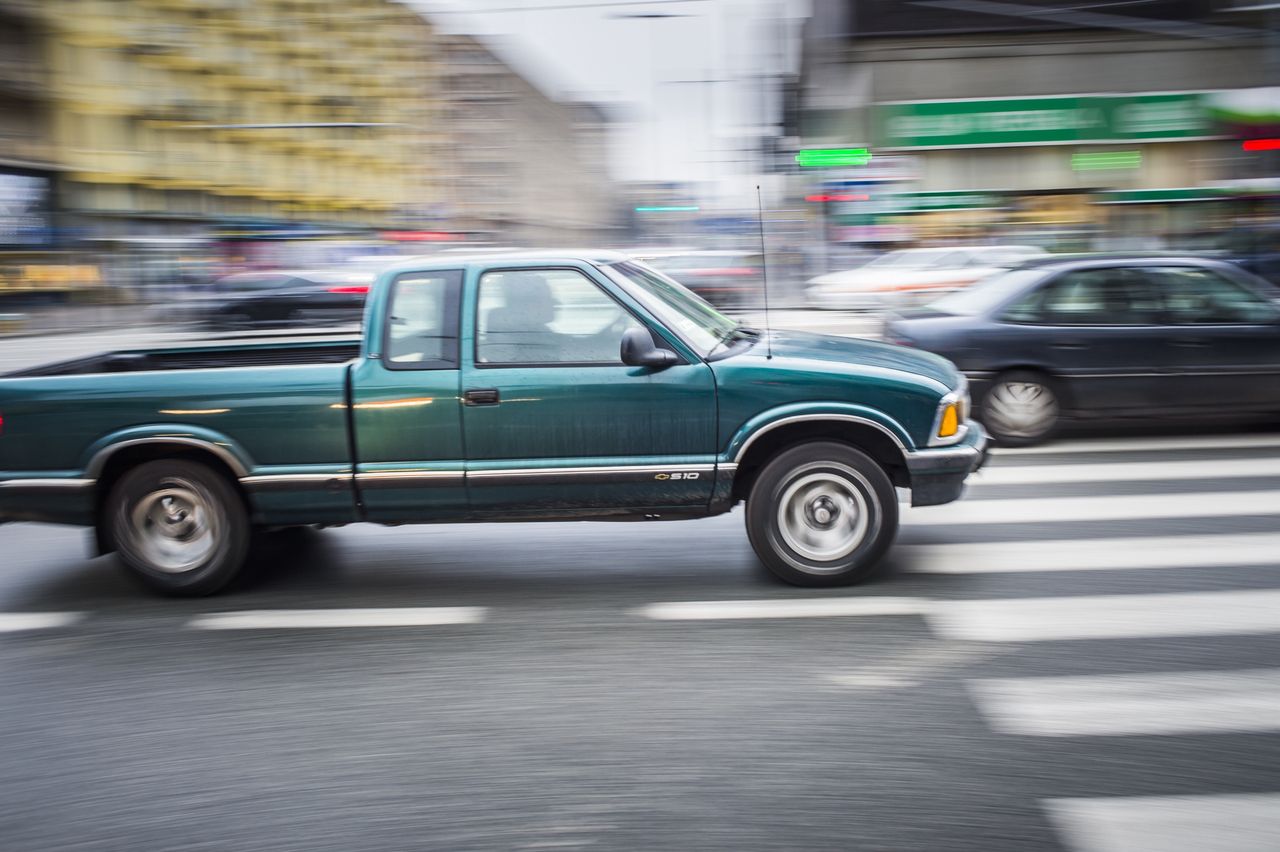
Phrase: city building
{"type": "Point", "coordinates": [522, 167]}
{"type": "Point", "coordinates": [175, 117]}
{"type": "Point", "coordinates": [27, 163]}
{"type": "Point", "coordinates": [1071, 127]}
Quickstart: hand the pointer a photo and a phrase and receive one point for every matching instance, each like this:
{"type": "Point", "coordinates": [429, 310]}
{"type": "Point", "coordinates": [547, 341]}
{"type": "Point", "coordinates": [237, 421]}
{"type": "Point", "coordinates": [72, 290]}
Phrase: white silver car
{"type": "Point", "coordinates": [911, 276]}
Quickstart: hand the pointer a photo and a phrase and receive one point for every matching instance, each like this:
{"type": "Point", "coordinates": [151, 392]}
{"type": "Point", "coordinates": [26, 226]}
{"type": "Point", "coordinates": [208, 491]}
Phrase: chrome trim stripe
{"type": "Point", "coordinates": [47, 483]}
{"type": "Point", "coordinates": [392, 475]}
{"type": "Point", "coordinates": [100, 458]}
{"type": "Point", "coordinates": [799, 418]}
{"type": "Point", "coordinates": [590, 471]}
{"type": "Point", "coordinates": [274, 478]}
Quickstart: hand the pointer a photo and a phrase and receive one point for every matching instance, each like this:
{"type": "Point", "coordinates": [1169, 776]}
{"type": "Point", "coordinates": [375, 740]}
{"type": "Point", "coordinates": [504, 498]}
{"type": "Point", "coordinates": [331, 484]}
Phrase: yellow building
{"type": "Point", "coordinates": [167, 114]}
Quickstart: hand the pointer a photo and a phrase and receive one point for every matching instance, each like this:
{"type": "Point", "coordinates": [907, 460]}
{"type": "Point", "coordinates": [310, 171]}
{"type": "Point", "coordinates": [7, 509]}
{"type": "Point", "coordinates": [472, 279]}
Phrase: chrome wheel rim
{"type": "Point", "coordinates": [175, 528]}
{"type": "Point", "coordinates": [823, 517]}
{"type": "Point", "coordinates": [1021, 409]}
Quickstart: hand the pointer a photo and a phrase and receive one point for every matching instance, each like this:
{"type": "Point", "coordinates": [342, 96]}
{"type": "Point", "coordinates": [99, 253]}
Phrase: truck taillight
{"type": "Point", "coordinates": [350, 288]}
{"type": "Point", "coordinates": [1, 424]}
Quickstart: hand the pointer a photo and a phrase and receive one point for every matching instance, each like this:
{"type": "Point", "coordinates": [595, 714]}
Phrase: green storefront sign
{"type": "Point", "coordinates": [1042, 121]}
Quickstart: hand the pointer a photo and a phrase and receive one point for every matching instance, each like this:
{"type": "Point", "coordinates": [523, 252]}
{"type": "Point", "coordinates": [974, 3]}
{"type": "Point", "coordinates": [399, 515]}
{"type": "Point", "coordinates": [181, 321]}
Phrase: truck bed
{"type": "Point", "coordinates": [201, 358]}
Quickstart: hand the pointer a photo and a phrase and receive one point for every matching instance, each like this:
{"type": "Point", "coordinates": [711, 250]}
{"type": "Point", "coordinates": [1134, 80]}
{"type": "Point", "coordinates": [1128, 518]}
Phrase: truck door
{"type": "Point", "coordinates": [404, 398]}
{"type": "Point", "coordinates": [555, 422]}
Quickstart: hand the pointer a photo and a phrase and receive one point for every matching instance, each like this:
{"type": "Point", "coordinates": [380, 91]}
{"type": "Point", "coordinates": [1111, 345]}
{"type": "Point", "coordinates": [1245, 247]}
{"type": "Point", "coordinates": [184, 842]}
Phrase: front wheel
{"type": "Point", "coordinates": [822, 514]}
{"type": "Point", "coordinates": [179, 526]}
{"type": "Point", "coordinates": [1021, 409]}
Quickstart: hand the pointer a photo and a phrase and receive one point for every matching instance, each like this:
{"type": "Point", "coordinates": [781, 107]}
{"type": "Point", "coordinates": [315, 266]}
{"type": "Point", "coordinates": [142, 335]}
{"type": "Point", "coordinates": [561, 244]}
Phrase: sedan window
{"type": "Point", "coordinates": [1197, 296]}
{"type": "Point", "coordinates": [1088, 297]}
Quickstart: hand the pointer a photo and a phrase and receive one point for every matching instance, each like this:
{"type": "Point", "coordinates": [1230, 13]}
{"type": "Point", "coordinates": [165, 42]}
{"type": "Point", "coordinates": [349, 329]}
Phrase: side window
{"type": "Point", "coordinates": [422, 321]}
{"type": "Point", "coordinates": [1088, 297]}
{"type": "Point", "coordinates": [1197, 296]}
{"type": "Point", "coordinates": [547, 316]}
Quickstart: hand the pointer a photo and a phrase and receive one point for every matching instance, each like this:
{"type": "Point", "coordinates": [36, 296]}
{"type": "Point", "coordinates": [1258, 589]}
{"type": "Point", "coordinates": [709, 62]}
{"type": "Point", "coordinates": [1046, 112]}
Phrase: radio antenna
{"type": "Point", "coordinates": [764, 273]}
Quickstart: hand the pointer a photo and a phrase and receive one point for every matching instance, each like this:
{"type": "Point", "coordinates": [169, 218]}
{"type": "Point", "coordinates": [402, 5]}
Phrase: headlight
{"type": "Point", "coordinates": [953, 411]}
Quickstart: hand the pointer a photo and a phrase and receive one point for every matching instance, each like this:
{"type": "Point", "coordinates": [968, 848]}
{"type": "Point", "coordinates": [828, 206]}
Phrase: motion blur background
{"type": "Point", "coordinates": [149, 147]}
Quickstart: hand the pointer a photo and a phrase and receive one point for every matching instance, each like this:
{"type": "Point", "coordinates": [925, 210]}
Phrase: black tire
{"type": "Point", "coordinates": [178, 526]}
{"type": "Point", "coordinates": [846, 484]}
{"type": "Point", "coordinates": [997, 411]}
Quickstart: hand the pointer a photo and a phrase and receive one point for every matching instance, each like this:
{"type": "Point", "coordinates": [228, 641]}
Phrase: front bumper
{"type": "Point", "coordinates": [938, 473]}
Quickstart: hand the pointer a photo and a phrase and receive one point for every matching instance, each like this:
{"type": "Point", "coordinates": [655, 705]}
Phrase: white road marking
{"type": "Point", "coordinates": [281, 619]}
{"type": "Point", "coordinates": [1096, 554]}
{"type": "Point", "coordinates": [1248, 822]}
{"type": "Point", "coordinates": [14, 622]}
{"type": "Point", "coordinates": [1180, 442]}
{"type": "Point", "coordinates": [793, 608]}
{"type": "Point", "coordinates": [1132, 704]}
{"type": "Point", "coordinates": [1108, 616]}
{"type": "Point", "coordinates": [1125, 471]}
{"type": "Point", "coordinates": [1096, 508]}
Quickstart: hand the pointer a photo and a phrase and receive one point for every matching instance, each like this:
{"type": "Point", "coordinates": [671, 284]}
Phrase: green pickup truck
{"type": "Point", "coordinates": [567, 386]}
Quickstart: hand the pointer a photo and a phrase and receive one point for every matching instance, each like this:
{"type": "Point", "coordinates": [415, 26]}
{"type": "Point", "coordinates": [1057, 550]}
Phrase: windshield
{"type": "Point", "coordinates": [910, 259]}
{"type": "Point", "coordinates": [987, 294]}
{"type": "Point", "coordinates": [695, 320]}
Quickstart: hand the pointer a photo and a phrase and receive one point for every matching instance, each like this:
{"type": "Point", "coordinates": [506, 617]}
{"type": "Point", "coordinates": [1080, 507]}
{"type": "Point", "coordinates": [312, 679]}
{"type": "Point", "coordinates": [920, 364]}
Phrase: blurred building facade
{"type": "Point", "coordinates": [522, 167]}
{"type": "Point", "coordinates": [1062, 125]}
{"type": "Point", "coordinates": [164, 116]}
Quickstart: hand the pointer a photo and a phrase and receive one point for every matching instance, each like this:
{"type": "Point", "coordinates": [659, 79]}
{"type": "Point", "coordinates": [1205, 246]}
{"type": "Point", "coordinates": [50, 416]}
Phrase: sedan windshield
{"type": "Point", "coordinates": [701, 325]}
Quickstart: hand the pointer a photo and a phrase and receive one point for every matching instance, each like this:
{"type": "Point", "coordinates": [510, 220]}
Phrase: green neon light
{"type": "Point", "coordinates": [1093, 161]}
{"type": "Point", "coordinates": [830, 158]}
{"type": "Point", "coordinates": [670, 209]}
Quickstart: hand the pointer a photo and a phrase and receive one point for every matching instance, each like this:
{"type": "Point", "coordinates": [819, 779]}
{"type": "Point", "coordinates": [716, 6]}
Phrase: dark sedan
{"type": "Point", "coordinates": [1106, 337]}
{"type": "Point", "coordinates": [280, 299]}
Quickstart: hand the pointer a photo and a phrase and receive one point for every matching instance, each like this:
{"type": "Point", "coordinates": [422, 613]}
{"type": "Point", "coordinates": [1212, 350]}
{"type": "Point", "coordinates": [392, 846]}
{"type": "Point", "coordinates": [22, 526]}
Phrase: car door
{"type": "Point", "coordinates": [406, 419]}
{"type": "Point", "coordinates": [555, 422]}
{"type": "Point", "coordinates": [1223, 340]}
{"type": "Point", "coordinates": [1096, 330]}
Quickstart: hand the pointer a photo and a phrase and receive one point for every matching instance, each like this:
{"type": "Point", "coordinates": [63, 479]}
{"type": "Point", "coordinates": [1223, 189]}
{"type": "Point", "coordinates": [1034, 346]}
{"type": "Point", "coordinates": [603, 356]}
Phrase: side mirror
{"type": "Point", "coordinates": [638, 350]}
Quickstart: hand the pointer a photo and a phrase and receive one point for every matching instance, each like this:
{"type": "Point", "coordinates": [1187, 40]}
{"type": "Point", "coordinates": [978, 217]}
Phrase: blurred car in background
{"type": "Point", "coordinates": [1106, 337]}
{"type": "Point", "coordinates": [280, 298]}
{"type": "Point", "coordinates": [726, 279]}
{"type": "Point", "coordinates": [912, 276]}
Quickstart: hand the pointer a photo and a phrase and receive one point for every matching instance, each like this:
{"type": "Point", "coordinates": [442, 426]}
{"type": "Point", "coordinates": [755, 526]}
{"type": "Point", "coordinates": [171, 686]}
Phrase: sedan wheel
{"type": "Point", "coordinates": [1020, 409]}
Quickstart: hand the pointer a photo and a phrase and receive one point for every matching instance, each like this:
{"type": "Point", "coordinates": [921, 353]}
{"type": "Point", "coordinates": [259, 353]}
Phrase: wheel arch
{"type": "Point", "coordinates": [113, 459]}
{"type": "Point", "coordinates": [886, 446]}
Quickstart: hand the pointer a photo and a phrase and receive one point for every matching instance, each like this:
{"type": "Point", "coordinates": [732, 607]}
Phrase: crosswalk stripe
{"type": "Point", "coordinates": [1095, 508]}
{"type": "Point", "coordinates": [1182, 442]}
{"type": "Point", "coordinates": [1108, 616]}
{"type": "Point", "coordinates": [1132, 704]}
{"type": "Point", "coordinates": [1092, 554]}
{"type": "Point", "coordinates": [282, 619]}
{"type": "Point", "coordinates": [1247, 822]}
{"type": "Point", "coordinates": [1125, 471]}
{"type": "Point", "coordinates": [781, 608]}
{"type": "Point", "coordinates": [14, 622]}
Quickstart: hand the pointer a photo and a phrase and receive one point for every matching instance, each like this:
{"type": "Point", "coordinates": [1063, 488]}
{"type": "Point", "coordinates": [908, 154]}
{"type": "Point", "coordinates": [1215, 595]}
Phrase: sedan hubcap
{"type": "Point", "coordinates": [175, 527]}
{"type": "Point", "coordinates": [1021, 409]}
{"type": "Point", "coordinates": [822, 516]}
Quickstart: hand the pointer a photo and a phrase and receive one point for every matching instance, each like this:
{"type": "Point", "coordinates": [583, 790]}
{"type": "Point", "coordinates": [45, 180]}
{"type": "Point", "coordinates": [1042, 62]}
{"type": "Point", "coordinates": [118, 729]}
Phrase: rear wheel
{"type": "Point", "coordinates": [1021, 408]}
{"type": "Point", "coordinates": [822, 514]}
{"type": "Point", "coordinates": [179, 526]}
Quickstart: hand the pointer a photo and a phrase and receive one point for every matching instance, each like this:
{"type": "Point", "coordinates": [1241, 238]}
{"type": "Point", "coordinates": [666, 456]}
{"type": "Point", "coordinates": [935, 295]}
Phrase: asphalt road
{"type": "Point", "coordinates": [1081, 655]}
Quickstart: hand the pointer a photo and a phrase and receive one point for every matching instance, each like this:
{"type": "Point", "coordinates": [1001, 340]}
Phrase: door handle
{"type": "Point", "coordinates": [481, 396]}
{"type": "Point", "coordinates": [1068, 344]}
{"type": "Point", "coordinates": [1191, 342]}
